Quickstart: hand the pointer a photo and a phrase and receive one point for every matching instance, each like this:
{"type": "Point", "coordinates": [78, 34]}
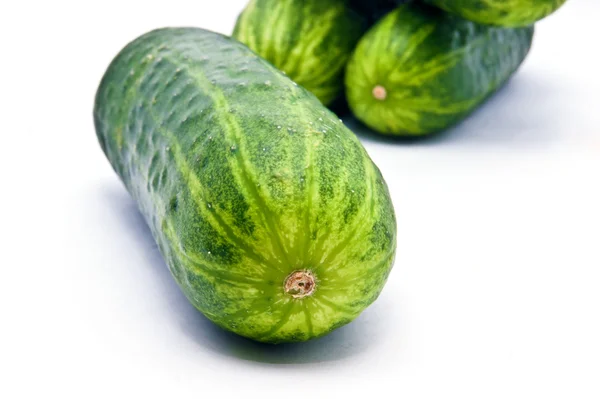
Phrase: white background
{"type": "Point", "coordinates": [496, 288]}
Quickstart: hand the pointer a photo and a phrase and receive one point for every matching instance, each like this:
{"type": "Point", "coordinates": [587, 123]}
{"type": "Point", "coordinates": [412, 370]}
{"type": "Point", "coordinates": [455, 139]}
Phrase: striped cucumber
{"type": "Point", "coordinates": [309, 40]}
{"type": "Point", "coordinates": [510, 13]}
{"type": "Point", "coordinates": [270, 215]}
{"type": "Point", "coordinates": [421, 70]}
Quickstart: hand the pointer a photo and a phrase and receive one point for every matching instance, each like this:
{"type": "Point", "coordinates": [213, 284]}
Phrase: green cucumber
{"type": "Point", "coordinates": [510, 13]}
{"type": "Point", "coordinates": [421, 70]}
{"type": "Point", "coordinates": [269, 213]}
{"type": "Point", "coordinates": [309, 40]}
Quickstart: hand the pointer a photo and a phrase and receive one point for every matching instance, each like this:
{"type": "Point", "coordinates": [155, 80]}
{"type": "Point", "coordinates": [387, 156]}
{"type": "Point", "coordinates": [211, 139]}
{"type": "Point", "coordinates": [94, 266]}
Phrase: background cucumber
{"type": "Point", "coordinates": [511, 13]}
{"type": "Point", "coordinates": [271, 216]}
{"type": "Point", "coordinates": [309, 40]}
{"type": "Point", "coordinates": [420, 70]}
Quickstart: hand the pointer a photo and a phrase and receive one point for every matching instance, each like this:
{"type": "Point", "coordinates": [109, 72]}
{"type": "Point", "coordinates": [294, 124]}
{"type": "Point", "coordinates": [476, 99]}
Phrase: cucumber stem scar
{"type": "Point", "coordinates": [300, 284]}
{"type": "Point", "coordinates": [379, 92]}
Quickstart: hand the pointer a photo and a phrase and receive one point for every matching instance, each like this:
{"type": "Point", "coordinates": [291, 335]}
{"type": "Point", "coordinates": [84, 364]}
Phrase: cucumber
{"type": "Point", "coordinates": [510, 13]}
{"type": "Point", "coordinates": [309, 40]}
{"type": "Point", "coordinates": [269, 213]}
{"type": "Point", "coordinates": [421, 70]}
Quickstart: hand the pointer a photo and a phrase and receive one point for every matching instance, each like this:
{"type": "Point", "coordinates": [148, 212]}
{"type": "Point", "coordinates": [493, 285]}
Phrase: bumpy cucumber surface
{"type": "Point", "coordinates": [421, 70]}
{"type": "Point", "coordinates": [309, 40]}
{"type": "Point", "coordinates": [511, 13]}
{"type": "Point", "coordinates": [270, 215]}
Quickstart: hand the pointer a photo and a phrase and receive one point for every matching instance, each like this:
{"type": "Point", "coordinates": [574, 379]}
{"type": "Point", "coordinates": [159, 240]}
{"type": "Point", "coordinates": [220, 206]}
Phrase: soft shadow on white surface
{"type": "Point", "coordinates": [349, 340]}
{"type": "Point", "coordinates": [526, 112]}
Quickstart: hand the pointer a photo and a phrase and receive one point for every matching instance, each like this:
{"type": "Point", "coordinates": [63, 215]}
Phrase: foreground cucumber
{"type": "Point", "coordinates": [271, 216]}
{"type": "Point", "coordinates": [309, 40]}
{"type": "Point", "coordinates": [421, 70]}
{"type": "Point", "coordinates": [511, 13]}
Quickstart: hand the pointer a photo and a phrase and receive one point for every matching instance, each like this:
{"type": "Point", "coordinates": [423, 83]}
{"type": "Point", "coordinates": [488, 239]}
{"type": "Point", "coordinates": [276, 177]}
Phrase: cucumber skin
{"type": "Point", "coordinates": [509, 13]}
{"type": "Point", "coordinates": [436, 68]}
{"type": "Point", "coordinates": [244, 177]}
{"type": "Point", "coordinates": [309, 40]}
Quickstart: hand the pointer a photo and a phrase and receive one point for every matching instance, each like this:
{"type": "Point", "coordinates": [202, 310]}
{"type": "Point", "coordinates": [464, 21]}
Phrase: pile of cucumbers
{"type": "Point", "coordinates": [270, 214]}
{"type": "Point", "coordinates": [405, 68]}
